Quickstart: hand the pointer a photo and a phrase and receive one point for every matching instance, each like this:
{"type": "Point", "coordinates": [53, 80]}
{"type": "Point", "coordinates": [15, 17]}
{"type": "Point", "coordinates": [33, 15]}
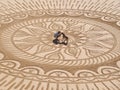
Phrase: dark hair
{"type": "Point", "coordinates": [59, 32]}
{"type": "Point", "coordinates": [58, 35]}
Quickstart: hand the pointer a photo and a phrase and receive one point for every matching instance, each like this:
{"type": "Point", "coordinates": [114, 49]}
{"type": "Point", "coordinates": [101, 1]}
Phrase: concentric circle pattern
{"type": "Point", "coordinates": [88, 41]}
{"type": "Point", "coordinates": [29, 60]}
{"type": "Point", "coordinates": [83, 38]}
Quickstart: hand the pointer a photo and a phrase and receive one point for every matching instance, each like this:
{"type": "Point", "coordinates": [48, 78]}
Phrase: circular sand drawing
{"type": "Point", "coordinates": [85, 40]}
{"type": "Point", "coordinates": [89, 43]}
{"type": "Point", "coordinates": [29, 60]}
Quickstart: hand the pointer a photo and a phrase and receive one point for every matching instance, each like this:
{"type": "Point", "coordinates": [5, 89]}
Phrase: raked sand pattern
{"type": "Point", "coordinates": [29, 60]}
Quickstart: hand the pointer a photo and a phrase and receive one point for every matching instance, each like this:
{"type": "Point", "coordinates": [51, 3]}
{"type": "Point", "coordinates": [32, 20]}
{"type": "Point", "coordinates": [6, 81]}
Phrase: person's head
{"type": "Point", "coordinates": [59, 32]}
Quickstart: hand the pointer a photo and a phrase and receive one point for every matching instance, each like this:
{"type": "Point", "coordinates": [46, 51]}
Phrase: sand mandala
{"type": "Point", "coordinates": [29, 60]}
{"type": "Point", "coordinates": [87, 41]}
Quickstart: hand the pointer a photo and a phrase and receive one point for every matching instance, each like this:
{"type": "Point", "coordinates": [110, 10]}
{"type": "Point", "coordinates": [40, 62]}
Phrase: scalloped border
{"type": "Point", "coordinates": [109, 18]}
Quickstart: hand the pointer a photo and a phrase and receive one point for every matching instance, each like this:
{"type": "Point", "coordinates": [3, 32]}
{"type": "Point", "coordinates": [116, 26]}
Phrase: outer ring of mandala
{"type": "Point", "coordinates": [37, 74]}
{"type": "Point", "coordinates": [107, 77]}
{"type": "Point", "coordinates": [22, 55]}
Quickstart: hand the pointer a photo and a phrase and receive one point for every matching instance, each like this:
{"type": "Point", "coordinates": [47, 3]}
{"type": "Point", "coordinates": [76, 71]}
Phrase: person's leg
{"type": "Point", "coordinates": [65, 40]}
{"type": "Point", "coordinates": [55, 41]}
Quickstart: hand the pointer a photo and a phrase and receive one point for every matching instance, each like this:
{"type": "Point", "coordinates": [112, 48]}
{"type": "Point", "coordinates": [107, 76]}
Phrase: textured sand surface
{"type": "Point", "coordinates": [29, 60]}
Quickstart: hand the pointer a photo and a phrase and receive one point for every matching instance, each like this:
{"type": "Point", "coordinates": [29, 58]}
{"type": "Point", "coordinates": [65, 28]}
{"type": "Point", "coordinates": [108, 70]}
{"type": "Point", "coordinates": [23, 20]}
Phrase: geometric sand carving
{"type": "Point", "coordinates": [30, 61]}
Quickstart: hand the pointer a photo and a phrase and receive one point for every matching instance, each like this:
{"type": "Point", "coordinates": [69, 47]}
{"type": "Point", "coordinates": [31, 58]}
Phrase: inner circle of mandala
{"type": "Point", "coordinates": [32, 40]}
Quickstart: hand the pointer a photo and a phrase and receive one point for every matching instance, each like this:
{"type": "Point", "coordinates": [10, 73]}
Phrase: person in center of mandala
{"type": "Point", "coordinates": [60, 38]}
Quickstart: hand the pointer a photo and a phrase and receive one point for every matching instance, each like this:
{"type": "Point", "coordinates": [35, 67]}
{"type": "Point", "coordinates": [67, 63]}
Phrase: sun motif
{"type": "Point", "coordinates": [30, 61]}
{"type": "Point", "coordinates": [85, 40]}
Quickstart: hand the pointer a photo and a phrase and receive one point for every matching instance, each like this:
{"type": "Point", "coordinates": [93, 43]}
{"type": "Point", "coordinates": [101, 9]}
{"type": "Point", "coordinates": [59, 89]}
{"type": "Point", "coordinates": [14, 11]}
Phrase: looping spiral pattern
{"type": "Point", "coordinates": [92, 14]}
{"type": "Point", "coordinates": [4, 19]}
{"type": "Point", "coordinates": [26, 28]}
{"type": "Point", "coordinates": [38, 13]}
{"type": "Point", "coordinates": [104, 73]}
{"type": "Point", "coordinates": [35, 42]}
{"type": "Point", "coordinates": [108, 19]}
{"type": "Point", "coordinates": [10, 64]}
{"type": "Point", "coordinates": [54, 12]}
{"type": "Point", "coordinates": [33, 70]}
{"type": "Point", "coordinates": [74, 13]}
{"type": "Point", "coordinates": [20, 15]}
